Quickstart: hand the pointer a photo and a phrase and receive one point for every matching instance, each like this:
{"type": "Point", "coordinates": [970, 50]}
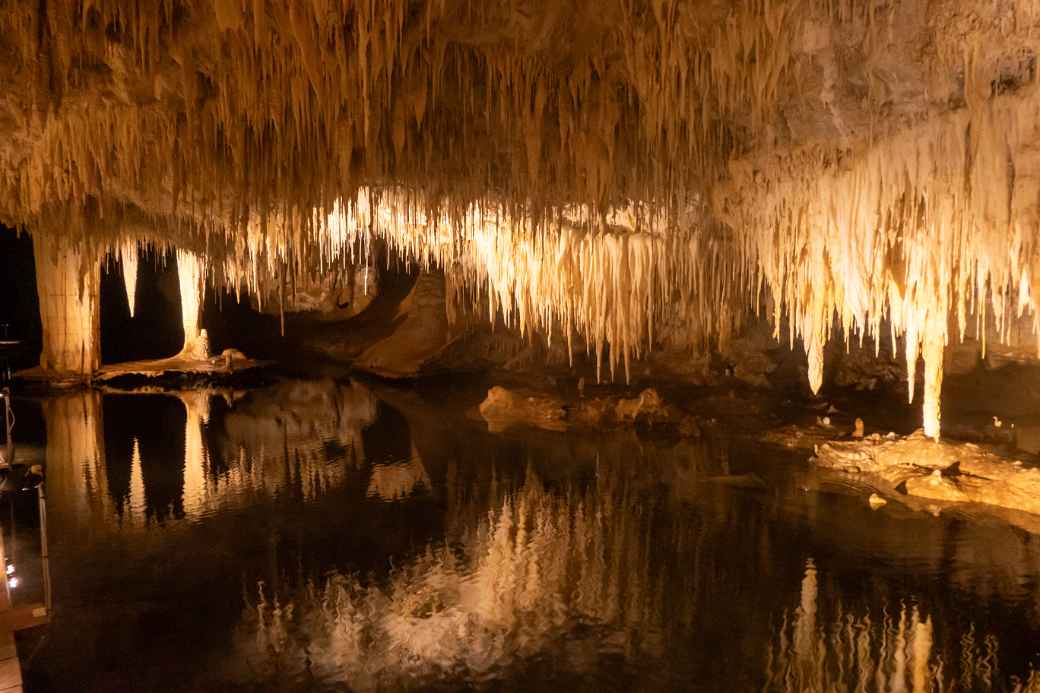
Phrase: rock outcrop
{"type": "Point", "coordinates": [420, 332]}
{"type": "Point", "coordinates": [951, 472]}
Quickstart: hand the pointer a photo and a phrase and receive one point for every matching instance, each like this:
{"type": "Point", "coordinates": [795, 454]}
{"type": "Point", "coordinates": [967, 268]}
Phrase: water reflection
{"type": "Point", "coordinates": [893, 651]}
{"type": "Point", "coordinates": [312, 534]}
{"type": "Point", "coordinates": [580, 569]}
{"type": "Point", "coordinates": [165, 462]}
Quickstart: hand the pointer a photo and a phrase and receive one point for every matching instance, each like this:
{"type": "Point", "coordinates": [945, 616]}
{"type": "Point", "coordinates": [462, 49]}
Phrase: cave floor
{"type": "Point", "coordinates": [178, 367]}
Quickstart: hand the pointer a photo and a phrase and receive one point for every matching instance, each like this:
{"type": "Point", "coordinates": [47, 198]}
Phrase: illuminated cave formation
{"type": "Point", "coordinates": [191, 275]}
{"type": "Point", "coordinates": [849, 168]}
{"type": "Point", "coordinates": [128, 263]}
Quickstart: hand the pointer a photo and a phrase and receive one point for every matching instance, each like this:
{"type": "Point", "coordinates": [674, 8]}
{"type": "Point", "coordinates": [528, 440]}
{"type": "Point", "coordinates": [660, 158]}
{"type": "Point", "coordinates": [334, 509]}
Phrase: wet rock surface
{"type": "Point", "coordinates": [944, 471]}
{"type": "Point", "coordinates": [420, 332]}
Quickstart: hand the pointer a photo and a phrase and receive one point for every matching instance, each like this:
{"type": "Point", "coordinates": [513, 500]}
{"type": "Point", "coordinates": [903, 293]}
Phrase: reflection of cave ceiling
{"type": "Point", "coordinates": [857, 159]}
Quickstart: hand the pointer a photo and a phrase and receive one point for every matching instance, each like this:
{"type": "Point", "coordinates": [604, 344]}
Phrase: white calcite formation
{"type": "Point", "coordinates": [191, 275]}
{"type": "Point", "coordinates": [68, 285]}
{"type": "Point", "coordinates": [128, 263]}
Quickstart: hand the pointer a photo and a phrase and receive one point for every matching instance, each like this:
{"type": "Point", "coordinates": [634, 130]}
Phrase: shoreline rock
{"type": "Point", "coordinates": [941, 471]}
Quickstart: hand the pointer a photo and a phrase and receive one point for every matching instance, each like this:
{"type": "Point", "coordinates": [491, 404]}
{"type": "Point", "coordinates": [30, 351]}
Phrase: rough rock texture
{"type": "Point", "coordinates": [181, 370]}
{"type": "Point", "coordinates": [862, 367]}
{"type": "Point", "coordinates": [957, 472]}
{"type": "Point", "coordinates": [340, 293]}
{"type": "Point", "coordinates": [420, 333]}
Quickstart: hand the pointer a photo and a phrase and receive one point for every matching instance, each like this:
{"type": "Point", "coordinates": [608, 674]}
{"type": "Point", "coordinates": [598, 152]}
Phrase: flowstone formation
{"type": "Point", "coordinates": [67, 285]}
{"type": "Point", "coordinates": [588, 169]}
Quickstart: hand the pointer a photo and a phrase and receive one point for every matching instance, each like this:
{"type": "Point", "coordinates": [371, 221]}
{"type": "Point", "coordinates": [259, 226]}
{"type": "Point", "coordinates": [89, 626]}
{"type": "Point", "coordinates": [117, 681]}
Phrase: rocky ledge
{"type": "Point", "coordinates": [938, 471]}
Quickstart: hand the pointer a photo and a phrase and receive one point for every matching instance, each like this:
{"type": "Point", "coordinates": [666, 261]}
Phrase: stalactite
{"type": "Point", "coordinates": [933, 377]}
{"type": "Point", "coordinates": [128, 261]}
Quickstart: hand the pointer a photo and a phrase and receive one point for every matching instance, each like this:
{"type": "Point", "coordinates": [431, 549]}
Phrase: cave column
{"type": "Point", "coordinates": [69, 285]}
{"type": "Point", "coordinates": [932, 350]}
{"type": "Point", "coordinates": [191, 275]}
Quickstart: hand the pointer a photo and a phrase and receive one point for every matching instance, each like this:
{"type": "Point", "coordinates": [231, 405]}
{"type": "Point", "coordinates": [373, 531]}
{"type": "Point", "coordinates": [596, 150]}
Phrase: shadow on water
{"type": "Point", "coordinates": [316, 536]}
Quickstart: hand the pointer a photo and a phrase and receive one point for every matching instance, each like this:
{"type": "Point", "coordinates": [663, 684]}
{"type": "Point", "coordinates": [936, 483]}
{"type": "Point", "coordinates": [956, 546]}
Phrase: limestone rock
{"type": "Point", "coordinates": [420, 333]}
{"type": "Point", "coordinates": [337, 294]}
{"type": "Point", "coordinates": [943, 471]}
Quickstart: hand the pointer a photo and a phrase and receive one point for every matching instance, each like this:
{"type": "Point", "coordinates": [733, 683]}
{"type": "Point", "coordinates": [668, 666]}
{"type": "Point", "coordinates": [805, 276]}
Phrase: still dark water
{"type": "Point", "coordinates": [318, 536]}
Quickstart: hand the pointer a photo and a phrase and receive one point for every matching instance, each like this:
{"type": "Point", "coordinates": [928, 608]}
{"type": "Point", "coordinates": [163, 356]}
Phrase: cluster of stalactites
{"type": "Point", "coordinates": [234, 113]}
{"type": "Point", "coordinates": [609, 280]}
{"type": "Point", "coordinates": [932, 228]}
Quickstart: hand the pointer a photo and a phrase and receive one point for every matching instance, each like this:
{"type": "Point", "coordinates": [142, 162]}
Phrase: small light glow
{"type": "Point", "coordinates": [10, 569]}
{"type": "Point", "coordinates": [13, 581]}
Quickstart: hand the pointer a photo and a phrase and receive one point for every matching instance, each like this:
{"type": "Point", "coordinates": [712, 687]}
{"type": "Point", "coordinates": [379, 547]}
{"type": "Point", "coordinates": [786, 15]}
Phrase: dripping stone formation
{"type": "Point", "coordinates": [586, 171]}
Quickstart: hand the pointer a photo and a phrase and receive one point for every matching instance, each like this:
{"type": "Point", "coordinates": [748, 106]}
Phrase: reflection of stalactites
{"type": "Point", "coordinates": [136, 511]}
{"type": "Point", "coordinates": [848, 651]}
{"type": "Point", "coordinates": [536, 562]}
{"type": "Point", "coordinates": [805, 621]}
{"type": "Point", "coordinates": [922, 653]}
{"type": "Point", "coordinates": [391, 482]}
{"type": "Point", "coordinates": [196, 406]}
{"type": "Point", "coordinates": [76, 478]}
{"type": "Point", "coordinates": [128, 260]}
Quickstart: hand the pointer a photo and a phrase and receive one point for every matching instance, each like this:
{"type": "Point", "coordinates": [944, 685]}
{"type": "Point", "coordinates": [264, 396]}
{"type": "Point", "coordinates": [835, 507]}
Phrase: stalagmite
{"type": "Point", "coordinates": [191, 275]}
{"type": "Point", "coordinates": [814, 352]}
{"type": "Point", "coordinates": [933, 377]}
{"type": "Point", "coordinates": [68, 285]}
{"type": "Point", "coordinates": [128, 261]}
